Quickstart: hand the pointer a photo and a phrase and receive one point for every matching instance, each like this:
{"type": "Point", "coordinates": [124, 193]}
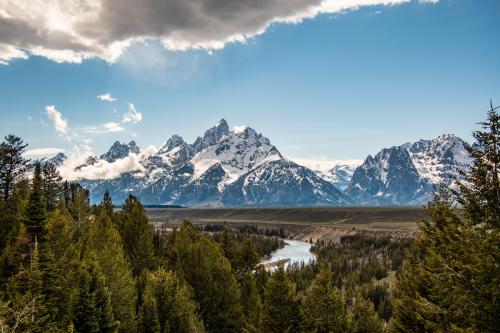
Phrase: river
{"type": "Point", "coordinates": [294, 251]}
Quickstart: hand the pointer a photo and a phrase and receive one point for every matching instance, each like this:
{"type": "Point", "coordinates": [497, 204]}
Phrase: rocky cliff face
{"type": "Point", "coordinates": [408, 174]}
{"type": "Point", "coordinates": [243, 168]}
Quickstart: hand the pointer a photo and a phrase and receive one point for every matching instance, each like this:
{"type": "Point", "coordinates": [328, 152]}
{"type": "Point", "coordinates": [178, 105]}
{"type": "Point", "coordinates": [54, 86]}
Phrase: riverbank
{"type": "Point", "coordinates": [294, 251]}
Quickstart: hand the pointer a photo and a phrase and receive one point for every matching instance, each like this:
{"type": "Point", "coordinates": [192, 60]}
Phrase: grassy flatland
{"type": "Point", "coordinates": [364, 218]}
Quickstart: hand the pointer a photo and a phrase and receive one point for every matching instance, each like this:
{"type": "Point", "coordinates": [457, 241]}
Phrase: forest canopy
{"type": "Point", "coordinates": [69, 266]}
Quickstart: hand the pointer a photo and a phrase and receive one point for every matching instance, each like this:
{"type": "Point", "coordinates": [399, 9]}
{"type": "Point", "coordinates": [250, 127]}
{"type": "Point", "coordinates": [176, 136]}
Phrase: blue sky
{"type": "Point", "coordinates": [339, 85]}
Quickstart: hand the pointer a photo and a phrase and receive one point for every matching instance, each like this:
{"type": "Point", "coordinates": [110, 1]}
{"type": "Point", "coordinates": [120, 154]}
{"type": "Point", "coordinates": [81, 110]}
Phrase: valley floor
{"type": "Point", "coordinates": [321, 223]}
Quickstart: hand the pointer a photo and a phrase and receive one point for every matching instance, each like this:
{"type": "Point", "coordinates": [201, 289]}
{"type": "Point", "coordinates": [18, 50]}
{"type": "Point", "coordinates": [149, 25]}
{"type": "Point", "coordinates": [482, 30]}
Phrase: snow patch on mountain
{"type": "Point", "coordinates": [408, 174]}
{"type": "Point", "coordinates": [337, 172]}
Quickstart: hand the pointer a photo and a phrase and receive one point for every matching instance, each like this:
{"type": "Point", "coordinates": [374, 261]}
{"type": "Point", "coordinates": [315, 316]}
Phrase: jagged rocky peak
{"type": "Point", "coordinates": [214, 134]}
{"type": "Point", "coordinates": [390, 177]}
{"type": "Point", "coordinates": [281, 182]}
{"type": "Point", "coordinates": [58, 159]}
{"type": "Point", "coordinates": [120, 150]}
{"type": "Point", "coordinates": [174, 142]}
{"type": "Point", "coordinates": [438, 159]}
{"type": "Point", "coordinates": [340, 175]}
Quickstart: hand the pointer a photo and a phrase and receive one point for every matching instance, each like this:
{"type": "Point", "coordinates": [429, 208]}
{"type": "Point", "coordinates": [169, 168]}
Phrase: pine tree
{"type": "Point", "coordinates": [14, 261]}
{"type": "Point", "coordinates": [148, 321]}
{"type": "Point", "coordinates": [479, 194]}
{"type": "Point", "coordinates": [12, 163]}
{"type": "Point", "coordinates": [228, 245]}
{"type": "Point", "coordinates": [452, 283]}
{"type": "Point", "coordinates": [202, 264]}
{"type": "Point", "coordinates": [323, 308]}
{"type": "Point", "coordinates": [168, 301]}
{"type": "Point", "coordinates": [250, 303]}
{"type": "Point", "coordinates": [116, 269]}
{"type": "Point", "coordinates": [12, 172]}
{"type": "Point", "coordinates": [60, 264]}
{"type": "Point", "coordinates": [51, 186]}
{"type": "Point", "coordinates": [35, 208]}
{"type": "Point", "coordinates": [261, 279]}
{"type": "Point", "coordinates": [107, 203]}
{"type": "Point", "coordinates": [280, 311]}
{"type": "Point", "coordinates": [364, 317]}
{"type": "Point", "coordinates": [93, 312]}
{"type": "Point", "coordinates": [137, 235]}
{"type": "Point", "coordinates": [35, 291]}
{"type": "Point", "coordinates": [246, 260]}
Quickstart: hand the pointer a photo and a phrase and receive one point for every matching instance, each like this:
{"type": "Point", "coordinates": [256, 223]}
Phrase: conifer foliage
{"type": "Point", "coordinates": [451, 285]}
{"type": "Point", "coordinates": [69, 266]}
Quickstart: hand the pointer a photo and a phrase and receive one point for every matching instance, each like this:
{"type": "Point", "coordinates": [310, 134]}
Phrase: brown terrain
{"type": "Point", "coordinates": [304, 223]}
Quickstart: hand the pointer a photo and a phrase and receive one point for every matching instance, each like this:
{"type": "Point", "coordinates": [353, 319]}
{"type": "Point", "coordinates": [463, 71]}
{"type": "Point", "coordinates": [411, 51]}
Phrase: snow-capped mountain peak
{"type": "Point", "coordinates": [437, 160]}
{"type": "Point", "coordinates": [174, 142]}
{"type": "Point", "coordinates": [120, 150]}
{"type": "Point", "coordinates": [408, 174]}
{"type": "Point", "coordinates": [216, 170]}
{"type": "Point", "coordinates": [242, 168]}
{"type": "Point", "coordinates": [213, 135]}
{"type": "Point", "coordinates": [58, 159]}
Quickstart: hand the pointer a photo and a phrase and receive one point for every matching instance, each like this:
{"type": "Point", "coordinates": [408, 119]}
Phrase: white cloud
{"type": "Point", "coordinates": [72, 31]}
{"type": "Point", "coordinates": [132, 116]}
{"type": "Point", "coordinates": [60, 124]}
{"type": "Point", "coordinates": [43, 151]}
{"type": "Point", "coordinates": [10, 52]}
{"type": "Point", "coordinates": [106, 97]}
{"type": "Point", "coordinates": [240, 129]}
{"type": "Point", "coordinates": [71, 168]}
{"type": "Point", "coordinates": [110, 127]}
{"type": "Point", "coordinates": [101, 169]}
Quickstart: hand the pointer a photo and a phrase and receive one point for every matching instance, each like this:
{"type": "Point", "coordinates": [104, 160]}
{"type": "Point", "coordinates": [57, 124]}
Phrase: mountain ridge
{"type": "Point", "coordinates": [225, 168]}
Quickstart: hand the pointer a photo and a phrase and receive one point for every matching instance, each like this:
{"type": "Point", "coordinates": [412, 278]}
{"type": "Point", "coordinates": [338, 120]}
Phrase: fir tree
{"type": "Point", "coordinates": [60, 264]}
{"type": "Point", "coordinates": [452, 283]}
{"type": "Point", "coordinates": [148, 316]}
{"type": "Point", "coordinates": [168, 301]}
{"type": "Point", "coordinates": [14, 261]}
{"type": "Point", "coordinates": [51, 186]}
{"type": "Point", "coordinates": [12, 163]}
{"type": "Point", "coordinates": [35, 289]}
{"type": "Point", "coordinates": [107, 203]}
{"type": "Point", "coordinates": [93, 312]}
{"type": "Point", "coordinates": [250, 303]}
{"type": "Point", "coordinates": [323, 308]}
{"type": "Point", "coordinates": [117, 270]}
{"type": "Point", "coordinates": [12, 171]}
{"type": "Point", "coordinates": [280, 309]}
{"type": "Point", "coordinates": [35, 208]}
{"type": "Point", "coordinates": [201, 262]}
{"type": "Point", "coordinates": [364, 317]}
{"type": "Point", "coordinates": [261, 279]}
{"type": "Point", "coordinates": [137, 235]}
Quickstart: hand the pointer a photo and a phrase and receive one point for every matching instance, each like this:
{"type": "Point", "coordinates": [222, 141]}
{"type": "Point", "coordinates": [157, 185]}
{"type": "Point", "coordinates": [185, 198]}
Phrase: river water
{"type": "Point", "coordinates": [294, 250]}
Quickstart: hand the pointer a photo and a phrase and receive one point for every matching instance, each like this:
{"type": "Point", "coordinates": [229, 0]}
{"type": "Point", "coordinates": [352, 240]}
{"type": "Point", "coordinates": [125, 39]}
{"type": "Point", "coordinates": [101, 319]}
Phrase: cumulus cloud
{"type": "Point", "coordinates": [106, 97]}
{"type": "Point", "coordinates": [71, 31]}
{"type": "Point", "coordinates": [132, 116]}
{"type": "Point", "coordinates": [240, 128]}
{"type": "Point", "coordinates": [110, 127]}
{"type": "Point", "coordinates": [60, 124]}
{"type": "Point", "coordinates": [72, 168]}
{"type": "Point", "coordinates": [9, 52]}
{"type": "Point", "coordinates": [43, 151]}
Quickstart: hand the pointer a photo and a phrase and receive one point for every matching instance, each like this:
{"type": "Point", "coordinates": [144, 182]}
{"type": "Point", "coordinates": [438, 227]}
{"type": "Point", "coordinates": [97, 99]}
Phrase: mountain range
{"type": "Point", "coordinates": [225, 168]}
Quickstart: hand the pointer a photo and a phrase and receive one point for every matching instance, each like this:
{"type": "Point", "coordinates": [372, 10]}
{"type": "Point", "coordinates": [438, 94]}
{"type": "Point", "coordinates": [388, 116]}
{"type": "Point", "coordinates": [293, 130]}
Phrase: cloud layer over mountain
{"type": "Point", "coordinates": [71, 31]}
